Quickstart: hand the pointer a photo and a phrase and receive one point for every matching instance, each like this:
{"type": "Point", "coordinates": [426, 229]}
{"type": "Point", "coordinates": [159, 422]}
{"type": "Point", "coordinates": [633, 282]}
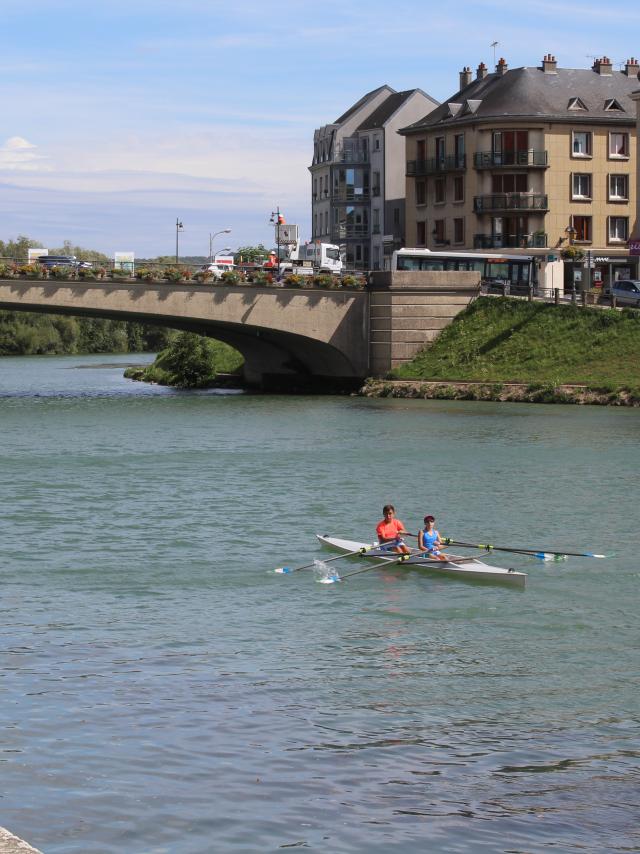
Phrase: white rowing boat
{"type": "Point", "coordinates": [466, 568]}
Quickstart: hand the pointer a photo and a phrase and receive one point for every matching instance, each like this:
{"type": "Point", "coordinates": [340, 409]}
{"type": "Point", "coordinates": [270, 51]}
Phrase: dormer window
{"type": "Point", "coordinates": [576, 104]}
{"type": "Point", "coordinates": [612, 104]}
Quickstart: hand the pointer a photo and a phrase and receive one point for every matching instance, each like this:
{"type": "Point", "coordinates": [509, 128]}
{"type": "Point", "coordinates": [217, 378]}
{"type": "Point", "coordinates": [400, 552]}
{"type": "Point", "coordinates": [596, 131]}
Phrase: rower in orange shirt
{"type": "Point", "coordinates": [390, 529]}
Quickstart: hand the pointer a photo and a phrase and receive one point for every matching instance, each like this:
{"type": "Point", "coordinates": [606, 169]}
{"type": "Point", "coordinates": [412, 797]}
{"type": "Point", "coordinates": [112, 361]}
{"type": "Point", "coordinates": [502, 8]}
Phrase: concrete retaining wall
{"type": "Point", "coordinates": [408, 310]}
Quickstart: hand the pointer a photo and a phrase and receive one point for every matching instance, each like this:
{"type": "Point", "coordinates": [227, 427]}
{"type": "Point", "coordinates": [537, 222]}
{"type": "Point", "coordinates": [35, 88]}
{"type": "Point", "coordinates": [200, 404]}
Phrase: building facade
{"type": "Point", "coordinates": [357, 176]}
{"type": "Point", "coordinates": [530, 161]}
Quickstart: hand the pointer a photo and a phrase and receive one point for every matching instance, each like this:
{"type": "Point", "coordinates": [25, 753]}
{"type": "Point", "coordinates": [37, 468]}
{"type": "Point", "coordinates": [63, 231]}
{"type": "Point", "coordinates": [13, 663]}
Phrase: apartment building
{"type": "Point", "coordinates": [357, 176]}
{"type": "Point", "coordinates": [529, 160]}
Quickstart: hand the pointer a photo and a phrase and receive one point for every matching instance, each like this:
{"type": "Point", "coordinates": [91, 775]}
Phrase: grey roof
{"type": "Point", "coordinates": [360, 103]}
{"type": "Point", "coordinates": [388, 107]}
{"type": "Point", "coordinates": [533, 94]}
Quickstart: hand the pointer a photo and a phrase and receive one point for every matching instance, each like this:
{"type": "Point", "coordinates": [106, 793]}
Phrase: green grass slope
{"type": "Point", "coordinates": [507, 340]}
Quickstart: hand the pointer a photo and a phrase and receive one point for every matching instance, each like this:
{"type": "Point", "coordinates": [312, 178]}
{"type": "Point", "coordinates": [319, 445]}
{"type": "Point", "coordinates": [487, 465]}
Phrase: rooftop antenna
{"type": "Point", "coordinates": [494, 45]}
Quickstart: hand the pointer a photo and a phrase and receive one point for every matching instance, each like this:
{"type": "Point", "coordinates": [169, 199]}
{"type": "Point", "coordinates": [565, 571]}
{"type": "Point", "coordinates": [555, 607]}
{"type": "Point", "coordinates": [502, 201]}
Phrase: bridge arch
{"type": "Point", "coordinates": [286, 335]}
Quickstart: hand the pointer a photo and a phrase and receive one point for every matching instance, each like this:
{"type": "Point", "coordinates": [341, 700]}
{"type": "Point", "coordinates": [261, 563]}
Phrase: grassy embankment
{"type": "Point", "coordinates": [544, 347]}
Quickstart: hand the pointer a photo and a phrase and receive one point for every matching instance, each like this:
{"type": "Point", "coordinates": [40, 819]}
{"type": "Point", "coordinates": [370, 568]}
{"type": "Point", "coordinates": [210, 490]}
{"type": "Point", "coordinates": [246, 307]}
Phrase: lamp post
{"type": "Point", "coordinates": [571, 233]}
{"type": "Point", "coordinates": [179, 228]}
{"type": "Point", "coordinates": [277, 218]}
{"type": "Point", "coordinates": [212, 237]}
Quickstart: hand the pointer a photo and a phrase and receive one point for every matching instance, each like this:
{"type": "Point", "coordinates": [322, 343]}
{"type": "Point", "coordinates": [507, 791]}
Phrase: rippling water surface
{"type": "Point", "coordinates": [163, 691]}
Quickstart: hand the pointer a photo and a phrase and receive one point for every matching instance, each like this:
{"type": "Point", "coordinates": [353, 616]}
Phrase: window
{"type": "Point", "coordinates": [581, 186]}
{"type": "Point", "coordinates": [619, 145]}
{"type": "Point", "coordinates": [315, 188]}
{"type": "Point", "coordinates": [438, 231]}
{"type": "Point", "coordinates": [439, 150]}
{"type": "Point", "coordinates": [612, 104]}
{"type": "Point", "coordinates": [376, 143]}
{"type": "Point", "coordinates": [581, 143]}
{"type": "Point", "coordinates": [618, 188]}
{"type": "Point", "coordinates": [458, 230]}
{"type": "Point", "coordinates": [458, 148]}
{"type": "Point", "coordinates": [396, 216]}
{"type": "Point", "coordinates": [421, 192]}
{"type": "Point", "coordinates": [458, 189]}
{"type": "Point", "coordinates": [509, 183]}
{"type": "Point", "coordinates": [376, 184]}
{"type": "Point", "coordinates": [421, 234]}
{"type": "Point", "coordinates": [326, 222]}
{"type": "Point", "coordinates": [618, 229]}
{"type": "Point", "coordinates": [315, 225]}
{"type": "Point", "coordinates": [439, 191]}
{"type": "Point", "coordinates": [576, 104]}
{"type": "Point", "coordinates": [582, 225]}
{"type": "Point", "coordinates": [421, 149]}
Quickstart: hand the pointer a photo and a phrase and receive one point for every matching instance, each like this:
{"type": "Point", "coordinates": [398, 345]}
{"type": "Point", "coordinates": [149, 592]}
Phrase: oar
{"type": "Point", "coordinates": [363, 550]}
{"type": "Point", "coordinates": [539, 553]}
{"type": "Point", "coordinates": [334, 578]}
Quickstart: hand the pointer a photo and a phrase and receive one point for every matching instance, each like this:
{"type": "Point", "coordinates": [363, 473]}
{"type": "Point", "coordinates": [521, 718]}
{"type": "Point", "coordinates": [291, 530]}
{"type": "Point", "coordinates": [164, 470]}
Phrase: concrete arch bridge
{"type": "Point", "coordinates": [287, 336]}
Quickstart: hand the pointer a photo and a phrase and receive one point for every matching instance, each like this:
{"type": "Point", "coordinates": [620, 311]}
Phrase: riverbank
{"type": "Point", "coordinates": [500, 392]}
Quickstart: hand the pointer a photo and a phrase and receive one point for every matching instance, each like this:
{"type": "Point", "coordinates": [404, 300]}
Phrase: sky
{"type": "Point", "coordinates": [121, 117]}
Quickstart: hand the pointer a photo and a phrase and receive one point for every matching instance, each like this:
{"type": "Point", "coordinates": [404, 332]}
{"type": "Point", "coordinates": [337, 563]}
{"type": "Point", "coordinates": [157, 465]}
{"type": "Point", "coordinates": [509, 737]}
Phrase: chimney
{"type": "Point", "coordinates": [603, 66]}
{"type": "Point", "coordinates": [549, 64]}
{"type": "Point", "coordinates": [481, 72]}
{"type": "Point", "coordinates": [631, 68]}
{"type": "Point", "coordinates": [501, 67]}
{"type": "Point", "coordinates": [465, 77]}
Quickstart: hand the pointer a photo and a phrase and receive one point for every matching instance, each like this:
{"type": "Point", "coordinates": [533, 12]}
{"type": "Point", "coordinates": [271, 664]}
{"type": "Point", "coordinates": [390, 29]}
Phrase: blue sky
{"type": "Point", "coordinates": [119, 117]}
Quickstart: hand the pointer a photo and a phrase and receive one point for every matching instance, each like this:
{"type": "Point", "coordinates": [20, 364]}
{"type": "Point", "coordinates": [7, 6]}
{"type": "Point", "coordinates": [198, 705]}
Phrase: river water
{"type": "Point", "coordinates": [164, 691]}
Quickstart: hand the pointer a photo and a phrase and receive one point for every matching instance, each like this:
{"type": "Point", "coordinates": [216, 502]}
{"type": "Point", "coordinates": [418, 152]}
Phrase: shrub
{"type": "Point", "coordinates": [293, 280]}
{"type": "Point", "coordinates": [62, 273]}
{"type": "Point", "coordinates": [87, 273]}
{"type": "Point", "coordinates": [203, 276]}
{"type": "Point", "coordinates": [232, 277]}
{"type": "Point", "coordinates": [173, 274]}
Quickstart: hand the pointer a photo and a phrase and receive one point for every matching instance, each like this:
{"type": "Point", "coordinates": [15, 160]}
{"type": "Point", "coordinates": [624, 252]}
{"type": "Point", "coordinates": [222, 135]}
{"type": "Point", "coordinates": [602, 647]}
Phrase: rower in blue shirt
{"type": "Point", "coordinates": [429, 540]}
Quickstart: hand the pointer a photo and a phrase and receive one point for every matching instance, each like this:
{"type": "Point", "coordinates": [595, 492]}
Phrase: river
{"type": "Point", "coordinates": [164, 691]}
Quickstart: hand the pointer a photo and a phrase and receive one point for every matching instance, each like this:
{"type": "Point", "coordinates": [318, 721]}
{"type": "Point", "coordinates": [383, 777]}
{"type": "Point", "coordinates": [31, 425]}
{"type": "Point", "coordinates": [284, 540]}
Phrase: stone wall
{"type": "Point", "coordinates": [408, 310]}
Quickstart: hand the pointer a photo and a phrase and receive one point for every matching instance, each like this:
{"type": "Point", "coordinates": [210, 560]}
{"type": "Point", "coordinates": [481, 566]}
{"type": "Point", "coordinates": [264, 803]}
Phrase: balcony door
{"type": "Point", "coordinates": [509, 231]}
{"type": "Point", "coordinates": [507, 144]}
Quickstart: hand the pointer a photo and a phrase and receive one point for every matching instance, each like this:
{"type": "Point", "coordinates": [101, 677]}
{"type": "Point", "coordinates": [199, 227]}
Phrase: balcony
{"type": "Point", "coordinates": [436, 165]}
{"type": "Point", "coordinates": [352, 150]}
{"type": "Point", "coordinates": [510, 202]}
{"type": "Point", "coordinates": [510, 241]}
{"type": "Point", "coordinates": [351, 232]}
{"type": "Point", "coordinates": [345, 195]}
{"type": "Point", "coordinates": [498, 159]}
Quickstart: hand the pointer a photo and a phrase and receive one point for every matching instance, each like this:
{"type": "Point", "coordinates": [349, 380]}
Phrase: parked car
{"type": "Point", "coordinates": [63, 261]}
{"type": "Point", "coordinates": [218, 268]}
{"type": "Point", "coordinates": [626, 292]}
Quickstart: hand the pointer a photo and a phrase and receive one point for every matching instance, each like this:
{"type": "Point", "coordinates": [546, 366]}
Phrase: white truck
{"type": "Point", "coordinates": [306, 258]}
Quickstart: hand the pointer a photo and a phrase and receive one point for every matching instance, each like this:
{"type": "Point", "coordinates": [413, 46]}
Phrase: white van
{"type": "Point", "coordinates": [219, 265]}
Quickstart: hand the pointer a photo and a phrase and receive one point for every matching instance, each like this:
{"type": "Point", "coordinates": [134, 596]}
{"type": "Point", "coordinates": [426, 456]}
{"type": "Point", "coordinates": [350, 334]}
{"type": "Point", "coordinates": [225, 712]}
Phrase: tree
{"type": "Point", "coordinates": [251, 254]}
{"type": "Point", "coordinates": [18, 248]}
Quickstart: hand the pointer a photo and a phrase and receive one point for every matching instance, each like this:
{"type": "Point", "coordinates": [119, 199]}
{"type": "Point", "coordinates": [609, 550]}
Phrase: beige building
{"type": "Point", "coordinates": [530, 161]}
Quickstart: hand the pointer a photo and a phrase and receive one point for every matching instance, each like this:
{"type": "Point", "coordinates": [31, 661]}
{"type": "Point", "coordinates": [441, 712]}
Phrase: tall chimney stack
{"type": "Point", "coordinates": [549, 65]}
{"type": "Point", "coordinates": [481, 72]}
{"type": "Point", "coordinates": [631, 68]}
{"type": "Point", "coordinates": [466, 77]}
{"type": "Point", "coordinates": [603, 66]}
{"type": "Point", "coordinates": [502, 67]}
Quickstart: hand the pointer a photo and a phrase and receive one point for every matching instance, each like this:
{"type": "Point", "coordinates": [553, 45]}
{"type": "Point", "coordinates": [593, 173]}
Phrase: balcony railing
{"type": "Point", "coordinates": [347, 232]}
{"type": "Point", "coordinates": [497, 159]}
{"type": "Point", "coordinates": [344, 195]}
{"type": "Point", "coordinates": [510, 241]}
{"type": "Point", "coordinates": [436, 165]}
{"type": "Point", "coordinates": [510, 202]}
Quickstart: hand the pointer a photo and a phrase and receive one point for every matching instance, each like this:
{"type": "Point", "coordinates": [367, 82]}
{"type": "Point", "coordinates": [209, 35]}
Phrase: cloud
{"type": "Point", "coordinates": [20, 154]}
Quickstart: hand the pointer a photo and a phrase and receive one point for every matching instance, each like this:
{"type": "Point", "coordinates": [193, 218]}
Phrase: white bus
{"type": "Point", "coordinates": [495, 268]}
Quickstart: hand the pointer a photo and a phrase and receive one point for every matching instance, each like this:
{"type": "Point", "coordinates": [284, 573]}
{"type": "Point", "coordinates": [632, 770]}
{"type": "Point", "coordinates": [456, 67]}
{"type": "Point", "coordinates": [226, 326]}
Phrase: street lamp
{"type": "Point", "coordinates": [571, 234]}
{"type": "Point", "coordinates": [278, 219]}
{"type": "Point", "coordinates": [179, 228]}
{"type": "Point", "coordinates": [212, 237]}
